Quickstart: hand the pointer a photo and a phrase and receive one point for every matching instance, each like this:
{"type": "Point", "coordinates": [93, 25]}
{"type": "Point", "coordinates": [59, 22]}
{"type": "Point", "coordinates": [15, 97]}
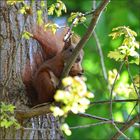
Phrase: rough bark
{"type": "Point", "coordinates": [13, 54]}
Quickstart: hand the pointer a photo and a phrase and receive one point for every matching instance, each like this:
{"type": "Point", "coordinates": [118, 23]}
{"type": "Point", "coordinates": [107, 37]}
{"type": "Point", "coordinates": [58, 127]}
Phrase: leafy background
{"type": "Point", "coordinates": [118, 13]}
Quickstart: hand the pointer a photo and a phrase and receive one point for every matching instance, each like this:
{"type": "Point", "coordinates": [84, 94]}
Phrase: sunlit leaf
{"type": "Point", "coordinates": [39, 17]}
{"type": "Point", "coordinates": [27, 35]}
{"type": "Point", "coordinates": [135, 61]}
{"type": "Point", "coordinates": [42, 4]}
{"type": "Point", "coordinates": [115, 55]}
{"type": "Point", "coordinates": [13, 2]}
{"type": "Point", "coordinates": [51, 9]}
{"type": "Point", "coordinates": [7, 118]}
{"type": "Point", "coordinates": [76, 17]}
{"type": "Point", "coordinates": [51, 26]}
{"type": "Point", "coordinates": [129, 46]}
{"type": "Point", "coordinates": [57, 7]}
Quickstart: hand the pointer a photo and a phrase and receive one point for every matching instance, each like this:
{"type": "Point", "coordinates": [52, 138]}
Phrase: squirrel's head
{"type": "Point", "coordinates": [68, 51]}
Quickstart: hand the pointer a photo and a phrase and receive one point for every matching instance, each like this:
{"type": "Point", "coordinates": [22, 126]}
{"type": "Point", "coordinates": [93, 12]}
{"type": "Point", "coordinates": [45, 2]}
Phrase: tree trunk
{"type": "Point", "coordinates": [14, 51]}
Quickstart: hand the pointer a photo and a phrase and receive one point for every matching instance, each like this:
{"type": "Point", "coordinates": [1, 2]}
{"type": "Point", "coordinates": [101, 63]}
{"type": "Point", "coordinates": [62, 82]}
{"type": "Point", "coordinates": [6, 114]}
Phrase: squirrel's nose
{"type": "Point", "coordinates": [81, 73]}
{"type": "Point", "coordinates": [78, 59]}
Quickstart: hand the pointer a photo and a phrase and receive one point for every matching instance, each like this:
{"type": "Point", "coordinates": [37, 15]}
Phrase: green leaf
{"type": "Point", "coordinates": [72, 17]}
{"type": "Point", "coordinates": [82, 19]}
{"type": "Point", "coordinates": [5, 123]}
{"type": "Point", "coordinates": [27, 35]}
{"type": "Point", "coordinates": [51, 26]}
{"type": "Point", "coordinates": [136, 61]}
{"type": "Point", "coordinates": [22, 10]}
{"type": "Point", "coordinates": [51, 9]}
{"type": "Point", "coordinates": [42, 4]}
{"type": "Point", "coordinates": [129, 45]}
{"type": "Point", "coordinates": [25, 9]}
{"type": "Point", "coordinates": [57, 7]}
{"type": "Point", "coordinates": [39, 17]}
{"type": "Point", "coordinates": [13, 2]}
{"type": "Point", "coordinates": [115, 55]}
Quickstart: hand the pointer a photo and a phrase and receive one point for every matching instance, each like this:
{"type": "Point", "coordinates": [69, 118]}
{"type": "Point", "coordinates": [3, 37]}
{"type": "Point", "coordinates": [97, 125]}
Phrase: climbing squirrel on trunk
{"type": "Point", "coordinates": [41, 78]}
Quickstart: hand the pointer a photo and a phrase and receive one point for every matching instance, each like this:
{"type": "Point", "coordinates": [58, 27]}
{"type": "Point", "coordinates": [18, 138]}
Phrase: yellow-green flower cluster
{"type": "Point", "coordinates": [74, 97]}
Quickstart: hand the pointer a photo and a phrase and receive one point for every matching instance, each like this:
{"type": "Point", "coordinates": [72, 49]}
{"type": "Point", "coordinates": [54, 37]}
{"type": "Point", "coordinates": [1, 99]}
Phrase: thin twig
{"type": "Point", "coordinates": [85, 115]}
{"type": "Point", "coordinates": [89, 13]}
{"type": "Point", "coordinates": [101, 55]}
{"type": "Point", "coordinates": [95, 18]}
{"type": "Point", "coordinates": [90, 125]}
{"type": "Point", "coordinates": [114, 101]}
{"type": "Point", "coordinates": [34, 129]}
{"type": "Point", "coordinates": [111, 95]}
{"type": "Point", "coordinates": [131, 112]}
{"type": "Point", "coordinates": [97, 117]}
{"type": "Point", "coordinates": [120, 132]}
{"type": "Point", "coordinates": [111, 92]}
{"type": "Point", "coordinates": [94, 5]}
{"type": "Point", "coordinates": [126, 126]}
{"type": "Point", "coordinates": [138, 94]}
{"type": "Point", "coordinates": [98, 44]}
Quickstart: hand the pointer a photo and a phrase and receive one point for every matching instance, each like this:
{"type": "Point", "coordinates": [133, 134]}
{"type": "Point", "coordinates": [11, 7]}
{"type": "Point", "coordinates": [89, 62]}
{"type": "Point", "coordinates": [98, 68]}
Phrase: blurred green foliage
{"type": "Point", "coordinates": [117, 13]}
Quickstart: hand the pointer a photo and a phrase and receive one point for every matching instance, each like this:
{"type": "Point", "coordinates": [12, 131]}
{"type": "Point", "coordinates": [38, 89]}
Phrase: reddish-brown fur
{"type": "Point", "coordinates": [50, 43]}
{"type": "Point", "coordinates": [43, 81]}
{"type": "Point", "coordinates": [41, 77]}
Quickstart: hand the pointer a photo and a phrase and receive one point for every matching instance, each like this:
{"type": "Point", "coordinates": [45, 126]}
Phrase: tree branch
{"type": "Point", "coordinates": [111, 92]}
{"type": "Point", "coordinates": [95, 17]}
{"type": "Point", "coordinates": [128, 69]}
{"type": "Point", "coordinates": [40, 110]}
{"type": "Point", "coordinates": [114, 101]}
{"type": "Point", "coordinates": [26, 114]}
{"type": "Point", "coordinates": [126, 126]}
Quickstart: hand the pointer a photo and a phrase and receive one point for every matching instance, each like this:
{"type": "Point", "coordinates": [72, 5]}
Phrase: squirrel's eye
{"type": "Point", "coordinates": [71, 50]}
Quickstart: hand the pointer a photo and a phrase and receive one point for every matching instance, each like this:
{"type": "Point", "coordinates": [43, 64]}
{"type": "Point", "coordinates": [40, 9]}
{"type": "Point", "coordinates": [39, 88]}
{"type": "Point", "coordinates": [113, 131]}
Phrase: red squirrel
{"type": "Point", "coordinates": [42, 77]}
{"type": "Point", "coordinates": [47, 77]}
